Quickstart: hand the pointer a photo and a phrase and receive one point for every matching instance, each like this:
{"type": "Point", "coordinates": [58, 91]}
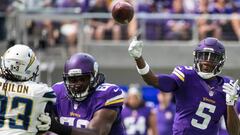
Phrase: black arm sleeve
{"type": "Point", "coordinates": [58, 128]}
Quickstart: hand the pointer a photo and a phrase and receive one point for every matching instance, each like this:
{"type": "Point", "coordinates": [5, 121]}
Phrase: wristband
{"type": "Point", "coordinates": [144, 70]}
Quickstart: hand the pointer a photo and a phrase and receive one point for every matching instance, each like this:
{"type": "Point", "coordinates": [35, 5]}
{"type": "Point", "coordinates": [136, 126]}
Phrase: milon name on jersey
{"type": "Point", "coordinates": [11, 87]}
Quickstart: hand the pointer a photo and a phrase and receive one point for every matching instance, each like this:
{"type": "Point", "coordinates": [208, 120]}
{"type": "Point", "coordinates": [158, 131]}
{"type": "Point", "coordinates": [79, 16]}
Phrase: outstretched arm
{"type": "Point", "coordinates": [148, 76]}
{"type": "Point", "coordinates": [135, 50]}
{"type": "Point", "coordinates": [232, 120]}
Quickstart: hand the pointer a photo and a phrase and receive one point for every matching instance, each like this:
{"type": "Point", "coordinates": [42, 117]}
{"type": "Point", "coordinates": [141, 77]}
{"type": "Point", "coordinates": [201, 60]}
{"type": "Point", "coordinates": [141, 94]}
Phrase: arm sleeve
{"type": "Point", "coordinates": [168, 83]}
{"type": "Point", "coordinates": [51, 108]}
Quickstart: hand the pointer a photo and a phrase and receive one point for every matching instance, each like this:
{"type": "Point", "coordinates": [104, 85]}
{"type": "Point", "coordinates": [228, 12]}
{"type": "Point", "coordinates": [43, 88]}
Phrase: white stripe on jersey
{"type": "Point", "coordinates": [179, 72]}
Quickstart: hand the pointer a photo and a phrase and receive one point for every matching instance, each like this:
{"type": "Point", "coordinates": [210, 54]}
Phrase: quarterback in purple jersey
{"type": "Point", "coordinates": [85, 101]}
{"type": "Point", "coordinates": [202, 96]}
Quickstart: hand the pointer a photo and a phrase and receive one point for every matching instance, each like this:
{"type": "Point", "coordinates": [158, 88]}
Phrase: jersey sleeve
{"type": "Point", "coordinates": [170, 83]}
{"type": "Point", "coordinates": [180, 72]}
{"type": "Point", "coordinates": [57, 88]}
{"type": "Point", "coordinates": [113, 96]}
{"type": "Point", "coordinates": [47, 94]}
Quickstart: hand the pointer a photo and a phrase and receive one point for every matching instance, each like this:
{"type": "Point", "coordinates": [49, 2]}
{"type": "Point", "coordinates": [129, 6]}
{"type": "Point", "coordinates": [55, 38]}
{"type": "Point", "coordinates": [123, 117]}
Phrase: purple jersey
{"type": "Point", "coordinates": [165, 119]}
{"type": "Point", "coordinates": [79, 114]}
{"type": "Point", "coordinates": [200, 103]}
{"type": "Point", "coordinates": [136, 120]}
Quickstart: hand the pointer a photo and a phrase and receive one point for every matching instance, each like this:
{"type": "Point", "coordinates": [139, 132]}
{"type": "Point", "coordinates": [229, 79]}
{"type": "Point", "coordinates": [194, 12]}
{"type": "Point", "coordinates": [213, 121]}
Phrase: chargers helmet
{"type": "Point", "coordinates": [80, 75]}
{"type": "Point", "coordinates": [209, 57]}
{"type": "Point", "coordinates": [19, 63]}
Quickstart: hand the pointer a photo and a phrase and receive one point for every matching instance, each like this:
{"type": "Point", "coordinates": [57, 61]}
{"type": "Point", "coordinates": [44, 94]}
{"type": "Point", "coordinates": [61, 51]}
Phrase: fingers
{"type": "Point", "coordinates": [139, 36]}
{"type": "Point", "coordinates": [231, 87]}
{"type": "Point", "coordinates": [227, 86]}
{"type": "Point", "coordinates": [45, 122]}
{"type": "Point", "coordinates": [44, 127]}
{"type": "Point", "coordinates": [135, 47]}
{"type": "Point", "coordinates": [134, 38]}
{"type": "Point", "coordinates": [45, 118]}
{"type": "Point", "coordinates": [231, 90]}
{"type": "Point", "coordinates": [235, 84]}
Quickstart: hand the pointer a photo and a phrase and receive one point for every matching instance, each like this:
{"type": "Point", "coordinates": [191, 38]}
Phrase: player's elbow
{"type": "Point", "coordinates": [151, 80]}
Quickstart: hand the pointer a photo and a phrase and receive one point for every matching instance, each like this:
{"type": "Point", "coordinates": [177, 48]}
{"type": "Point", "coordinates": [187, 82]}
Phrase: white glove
{"type": "Point", "coordinates": [231, 90]}
{"type": "Point", "coordinates": [45, 122]}
{"type": "Point", "coordinates": [135, 48]}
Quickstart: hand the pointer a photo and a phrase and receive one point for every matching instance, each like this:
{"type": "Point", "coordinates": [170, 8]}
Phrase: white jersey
{"type": "Point", "coordinates": [21, 103]}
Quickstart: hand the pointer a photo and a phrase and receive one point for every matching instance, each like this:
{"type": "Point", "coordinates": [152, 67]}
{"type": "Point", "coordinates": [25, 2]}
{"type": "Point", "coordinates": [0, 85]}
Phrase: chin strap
{"type": "Point", "coordinates": [205, 75]}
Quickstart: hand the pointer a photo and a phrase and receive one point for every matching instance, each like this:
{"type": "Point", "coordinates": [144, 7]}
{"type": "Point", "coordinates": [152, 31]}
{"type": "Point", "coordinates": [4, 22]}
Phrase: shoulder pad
{"type": "Point", "coordinates": [181, 71]}
{"type": "Point", "coordinates": [57, 87]}
{"type": "Point", "coordinates": [112, 94]}
{"type": "Point", "coordinates": [106, 87]}
{"type": "Point", "coordinates": [44, 91]}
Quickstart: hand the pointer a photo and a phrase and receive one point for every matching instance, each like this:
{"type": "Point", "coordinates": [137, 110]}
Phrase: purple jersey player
{"type": "Point", "coordinates": [165, 113]}
{"type": "Point", "coordinates": [138, 118]}
{"type": "Point", "coordinates": [202, 96]}
{"type": "Point", "coordinates": [85, 101]}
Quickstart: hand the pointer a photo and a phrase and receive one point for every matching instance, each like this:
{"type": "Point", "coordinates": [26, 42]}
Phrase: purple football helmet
{"type": "Point", "coordinates": [209, 57]}
{"type": "Point", "coordinates": [80, 73]}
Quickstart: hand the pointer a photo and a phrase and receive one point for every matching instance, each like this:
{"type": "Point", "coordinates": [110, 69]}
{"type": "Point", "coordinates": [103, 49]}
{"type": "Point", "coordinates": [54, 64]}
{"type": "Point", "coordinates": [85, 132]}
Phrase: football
{"type": "Point", "coordinates": [122, 12]}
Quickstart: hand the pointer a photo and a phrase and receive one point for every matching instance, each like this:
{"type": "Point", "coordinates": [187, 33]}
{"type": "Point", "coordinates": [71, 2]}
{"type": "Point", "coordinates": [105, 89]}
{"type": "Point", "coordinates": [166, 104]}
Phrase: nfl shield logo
{"type": "Point", "coordinates": [211, 93]}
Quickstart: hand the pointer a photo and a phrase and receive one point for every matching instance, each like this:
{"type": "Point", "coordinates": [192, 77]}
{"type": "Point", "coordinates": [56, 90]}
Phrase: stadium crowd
{"type": "Point", "coordinates": [52, 33]}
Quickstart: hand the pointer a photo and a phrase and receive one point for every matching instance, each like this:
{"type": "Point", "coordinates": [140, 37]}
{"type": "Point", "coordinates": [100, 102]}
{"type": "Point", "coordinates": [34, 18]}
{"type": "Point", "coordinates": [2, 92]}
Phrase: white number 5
{"type": "Point", "coordinates": [206, 117]}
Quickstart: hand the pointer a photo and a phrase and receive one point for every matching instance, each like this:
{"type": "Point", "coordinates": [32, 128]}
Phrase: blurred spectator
{"type": "Point", "coordinates": [45, 31]}
{"type": "Point", "coordinates": [236, 19]}
{"type": "Point", "coordinates": [104, 28]}
{"type": "Point", "coordinates": [38, 4]}
{"type": "Point", "coordinates": [206, 27]}
{"type": "Point", "coordinates": [138, 118]}
{"type": "Point", "coordinates": [132, 26]}
{"type": "Point", "coordinates": [79, 5]}
{"type": "Point", "coordinates": [3, 9]}
{"type": "Point", "coordinates": [177, 29]}
{"type": "Point", "coordinates": [152, 28]}
{"type": "Point", "coordinates": [69, 28]}
{"type": "Point", "coordinates": [224, 7]}
{"type": "Point", "coordinates": [163, 6]}
{"type": "Point", "coordinates": [189, 6]}
{"type": "Point", "coordinates": [236, 6]}
{"type": "Point", "coordinates": [165, 113]}
{"type": "Point", "coordinates": [236, 25]}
